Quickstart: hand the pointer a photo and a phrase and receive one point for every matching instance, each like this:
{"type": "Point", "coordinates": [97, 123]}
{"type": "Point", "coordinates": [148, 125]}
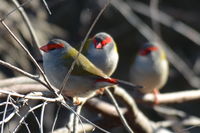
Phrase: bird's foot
{"type": "Point", "coordinates": [77, 101]}
{"type": "Point", "coordinates": [156, 92]}
{"type": "Point", "coordinates": [100, 91]}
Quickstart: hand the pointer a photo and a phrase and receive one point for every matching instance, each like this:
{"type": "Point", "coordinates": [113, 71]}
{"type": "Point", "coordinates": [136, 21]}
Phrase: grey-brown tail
{"type": "Point", "coordinates": [127, 84]}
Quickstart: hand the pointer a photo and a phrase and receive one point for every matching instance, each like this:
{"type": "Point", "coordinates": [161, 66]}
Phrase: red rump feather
{"type": "Point", "coordinates": [148, 50]}
{"type": "Point", "coordinates": [51, 46]}
{"type": "Point", "coordinates": [109, 80]}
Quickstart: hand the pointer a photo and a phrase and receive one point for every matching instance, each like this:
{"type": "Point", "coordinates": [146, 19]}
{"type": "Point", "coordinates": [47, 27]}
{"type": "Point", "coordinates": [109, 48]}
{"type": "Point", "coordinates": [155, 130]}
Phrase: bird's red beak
{"type": "Point", "coordinates": [44, 48]}
{"type": "Point", "coordinates": [98, 46]}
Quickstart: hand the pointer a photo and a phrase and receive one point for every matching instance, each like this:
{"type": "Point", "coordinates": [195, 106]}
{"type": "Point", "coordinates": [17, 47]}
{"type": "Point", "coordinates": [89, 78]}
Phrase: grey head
{"type": "Point", "coordinates": [101, 40]}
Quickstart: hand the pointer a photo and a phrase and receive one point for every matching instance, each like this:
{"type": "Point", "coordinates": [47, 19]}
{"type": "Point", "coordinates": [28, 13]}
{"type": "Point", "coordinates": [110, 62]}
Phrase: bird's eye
{"type": "Point", "coordinates": [95, 41]}
{"type": "Point", "coordinates": [144, 52]}
{"type": "Point", "coordinates": [52, 49]}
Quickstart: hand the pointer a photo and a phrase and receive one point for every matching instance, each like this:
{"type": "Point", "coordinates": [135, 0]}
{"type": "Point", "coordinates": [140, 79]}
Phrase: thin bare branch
{"type": "Point", "coordinates": [56, 118]}
{"type": "Point", "coordinates": [42, 116]}
{"type": "Point", "coordinates": [32, 111]}
{"type": "Point", "coordinates": [154, 12]}
{"type": "Point", "coordinates": [141, 123]}
{"type": "Point", "coordinates": [33, 97]}
{"type": "Point", "coordinates": [104, 107]}
{"type": "Point", "coordinates": [26, 125]}
{"type": "Point", "coordinates": [82, 45]}
{"type": "Point", "coordinates": [50, 87]}
{"type": "Point", "coordinates": [168, 21]}
{"type": "Point", "coordinates": [174, 97]}
{"type": "Point", "coordinates": [185, 119]}
{"type": "Point", "coordinates": [16, 81]}
{"type": "Point", "coordinates": [96, 126]}
{"type": "Point", "coordinates": [4, 114]}
{"type": "Point", "coordinates": [23, 118]}
{"type": "Point", "coordinates": [9, 13]}
{"type": "Point", "coordinates": [35, 41]}
{"type": "Point", "coordinates": [123, 120]}
{"type": "Point", "coordinates": [76, 120]}
{"type": "Point", "coordinates": [87, 127]}
{"type": "Point", "coordinates": [47, 7]}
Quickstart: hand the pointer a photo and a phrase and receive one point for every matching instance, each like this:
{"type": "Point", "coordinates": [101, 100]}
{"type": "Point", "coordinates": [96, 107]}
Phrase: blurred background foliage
{"type": "Point", "coordinates": [71, 19]}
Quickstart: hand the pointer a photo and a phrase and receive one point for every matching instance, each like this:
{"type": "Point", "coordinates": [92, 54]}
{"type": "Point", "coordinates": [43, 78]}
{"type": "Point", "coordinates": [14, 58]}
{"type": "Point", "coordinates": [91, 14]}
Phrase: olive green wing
{"type": "Point", "coordinates": [83, 65]}
{"type": "Point", "coordinates": [85, 47]}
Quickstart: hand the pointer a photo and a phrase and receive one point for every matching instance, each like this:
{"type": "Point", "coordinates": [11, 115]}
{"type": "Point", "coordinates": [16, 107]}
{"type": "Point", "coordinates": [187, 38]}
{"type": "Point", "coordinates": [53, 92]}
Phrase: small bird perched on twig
{"type": "Point", "coordinates": [150, 69]}
{"type": "Point", "coordinates": [101, 50]}
{"type": "Point", "coordinates": [85, 78]}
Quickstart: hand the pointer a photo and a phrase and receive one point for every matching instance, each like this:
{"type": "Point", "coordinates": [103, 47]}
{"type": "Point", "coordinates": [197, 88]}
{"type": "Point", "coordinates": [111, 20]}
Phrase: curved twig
{"type": "Point", "coordinates": [4, 114]}
{"type": "Point", "coordinates": [123, 120]}
{"type": "Point", "coordinates": [50, 87]}
{"type": "Point", "coordinates": [56, 118]}
{"type": "Point", "coordinates": [29, 25]}
{"type": "Point", "coordinates": [42, 116]}
{"type": "Point", "coordinates": [82, 45]}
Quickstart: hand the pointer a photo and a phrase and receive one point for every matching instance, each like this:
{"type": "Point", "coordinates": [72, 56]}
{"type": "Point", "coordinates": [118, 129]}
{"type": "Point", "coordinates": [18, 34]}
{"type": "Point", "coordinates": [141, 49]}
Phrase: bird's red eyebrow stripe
{"type": "Point", "coordinates": [147, 50]}
{"type": "Point", "coordinates": [51, 46]}
{"type": "Point", "coordinates": [107, 40]}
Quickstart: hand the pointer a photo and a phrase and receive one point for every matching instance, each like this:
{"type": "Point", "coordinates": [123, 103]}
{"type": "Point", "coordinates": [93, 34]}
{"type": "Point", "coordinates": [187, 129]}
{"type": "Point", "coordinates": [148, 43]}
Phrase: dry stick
{"type": "Point", "coordinates": [26, 125]}
{"type": "Point", "coordinates": [23, 118]}
{"type": "Point", "coordinates": [147, 32]}
{"type": "Point", "coordinates": [68, 107]}
{"type": "Point", "coordinates": [4, 114]}
{"type": "Point", "coordinates": [76, 120]}
{"type": "Point", "coordinates": [186, 120]}
{"type": "Point", "coordinates": [70, 120]}
{"type": "Point", "coordinates": [50, 100]}
{"type": "Point", "coordinates": [50, 87]}
{"type": "Point", "coordinates": [29, 25]}
{"type": "Point", "coordinates": [88, 127]}
{"type": "Point", "coordinates": [154, 12]}
{"type": "Point", "coordinates": [138, 120]}
{"type": "Point", "coordinates": [56, 118]}
{"type": "Point", "coordinates": [9, 13]}
{"type": "Point", "coordinates": [16, 81]}
{"type": "Point", "coordinates": [163, 98]}
{"type": "Point", "coordinates": [171, 98]}
{"type": "Point", "coordinates": [34, 115]}
{"type": "Point", "coordinates": [58, 99]}
{"type": "Point", "coordinates": [124, 122]}
{"type": "Point", "coordinates": [82, 45]}
{"type": "Point", "coordinates": [11, 115]}
{"type": "Point", "coordinates": [34, 77]}
{"type": "Point", "coordinates": [42, 116]}
{"type": "Point", "coordinates": [104, 107]}
{"type": "Point", "coordinates": [47, 7]}
{"type": "Point", "coordinates": [168, 21]}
